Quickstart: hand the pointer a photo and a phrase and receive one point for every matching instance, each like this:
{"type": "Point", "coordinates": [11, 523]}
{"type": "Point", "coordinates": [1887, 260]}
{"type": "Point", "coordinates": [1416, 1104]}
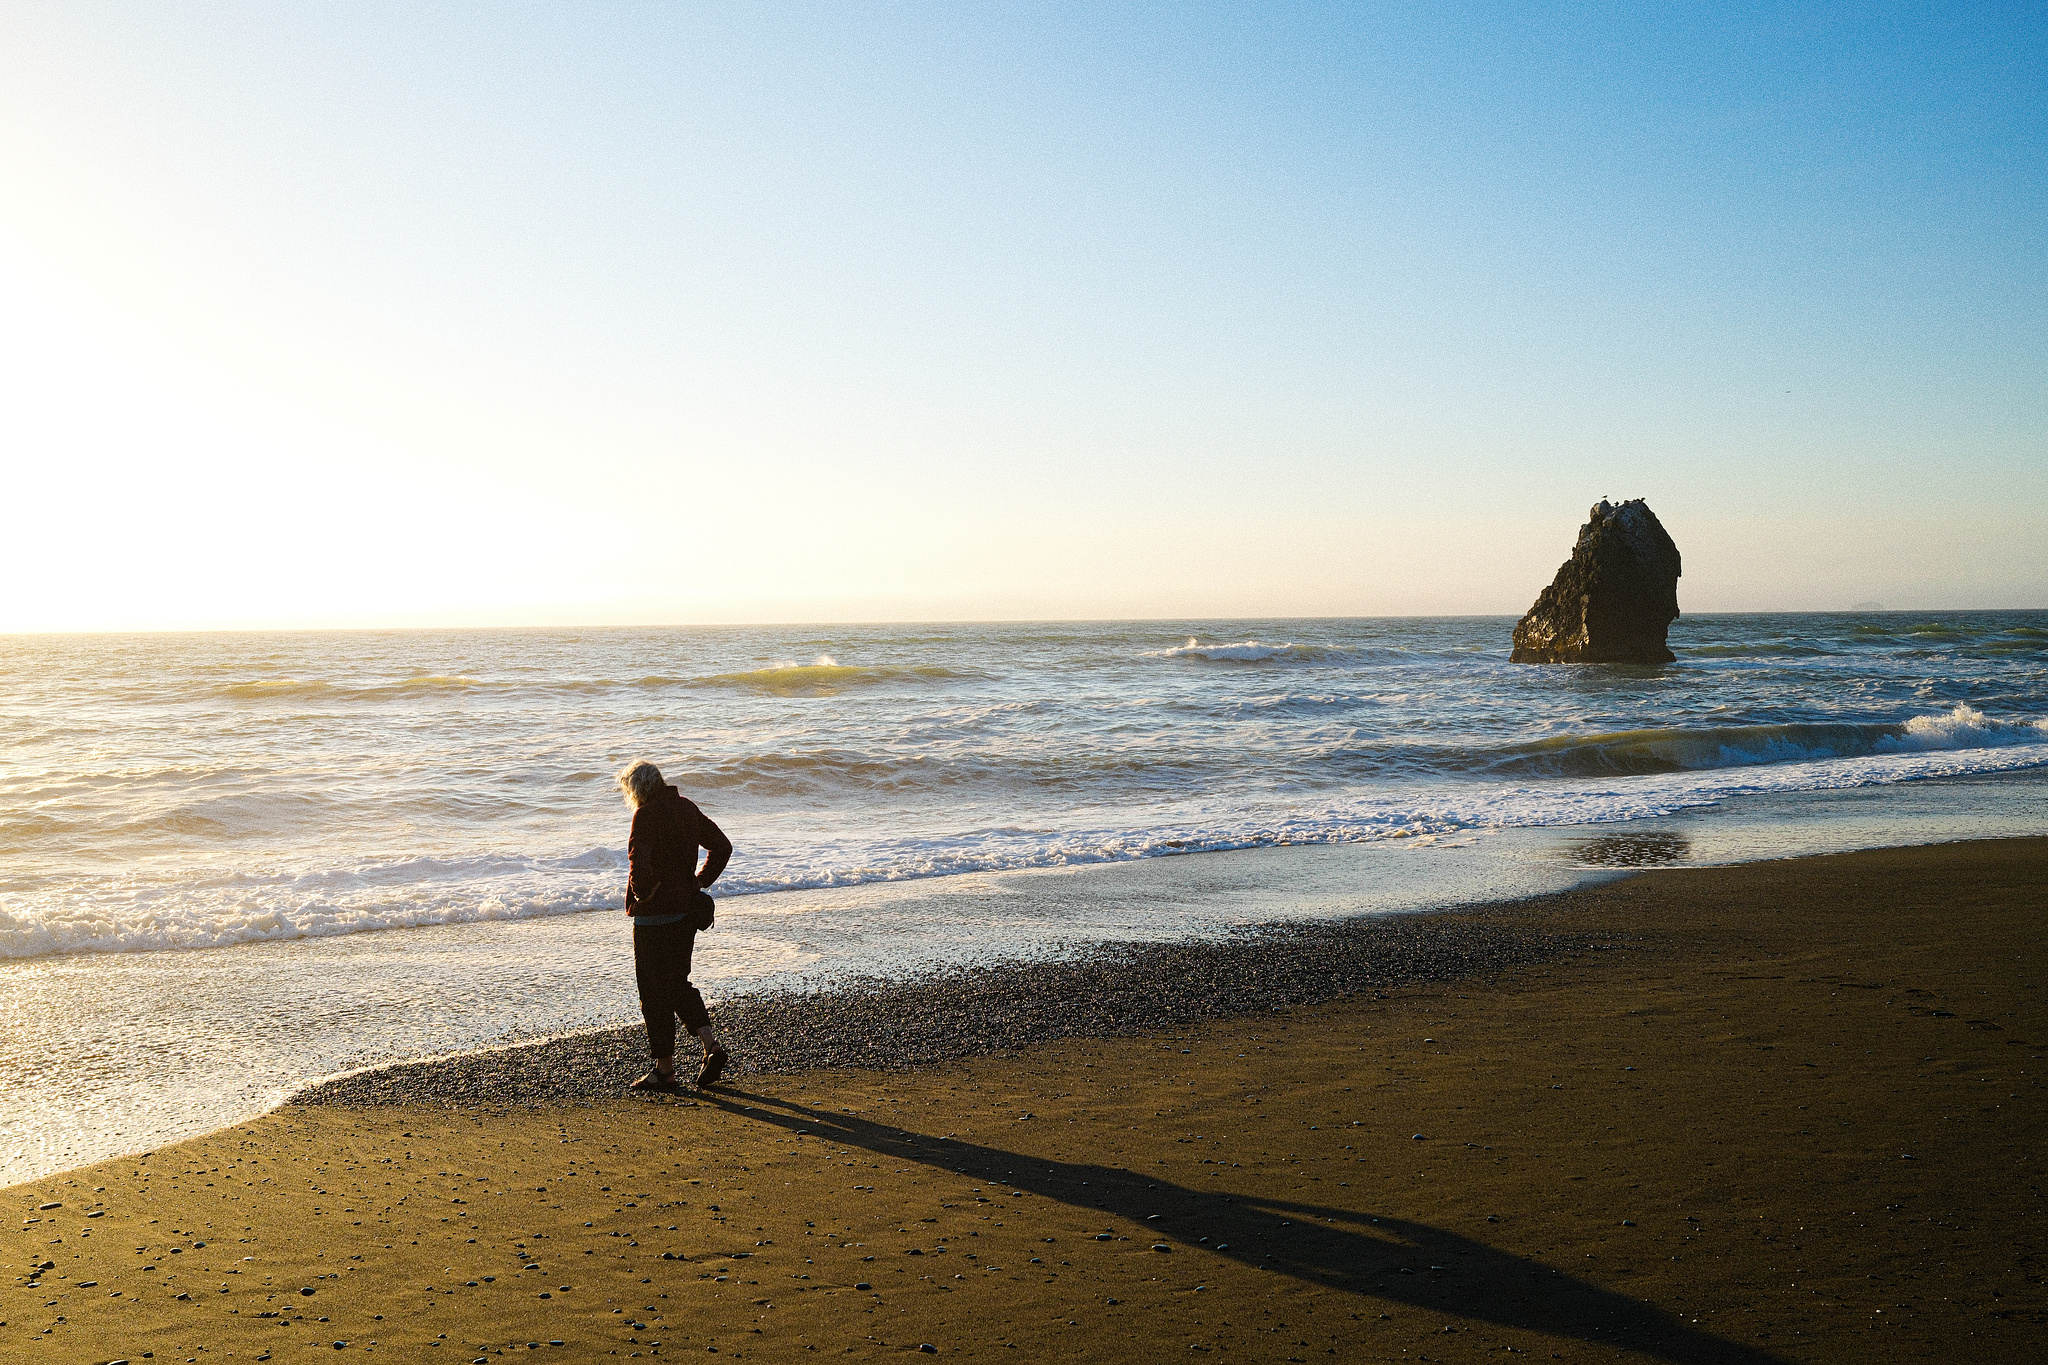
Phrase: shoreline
{"type": "Point", "coordinates": [1793, 1112]}
{"type": "Point", "coordinates": [1098, 972]}
{"type": "Point", "coordinates": [1117, 990]}
{"type": "Point", "coordinates": [106, 1060]}
{"type": "Point", "coordinates": [2018, 765]}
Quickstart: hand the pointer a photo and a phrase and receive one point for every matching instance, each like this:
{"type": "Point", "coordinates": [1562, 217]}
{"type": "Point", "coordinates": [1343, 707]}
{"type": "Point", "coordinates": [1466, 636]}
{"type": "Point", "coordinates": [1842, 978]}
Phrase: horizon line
{"type": "Point", "coordinates": [949, 621]}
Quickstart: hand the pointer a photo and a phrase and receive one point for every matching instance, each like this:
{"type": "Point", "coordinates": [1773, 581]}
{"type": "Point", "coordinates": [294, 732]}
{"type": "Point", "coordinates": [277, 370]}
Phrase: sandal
{"type": "Point", "coordinates": [714, 1067]}
{"type": "Point", "coordinates": [655, 1081]}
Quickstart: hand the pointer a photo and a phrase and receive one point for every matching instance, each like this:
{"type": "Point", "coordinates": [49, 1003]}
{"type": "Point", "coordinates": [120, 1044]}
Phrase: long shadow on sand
{"type": "Point", "coordinates": [1384, 1258]}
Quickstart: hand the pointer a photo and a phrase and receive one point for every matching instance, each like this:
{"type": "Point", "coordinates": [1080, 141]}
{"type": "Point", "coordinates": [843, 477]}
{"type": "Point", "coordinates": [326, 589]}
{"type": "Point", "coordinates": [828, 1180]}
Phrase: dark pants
{"type": "Point", "coordinates": [661, 968]}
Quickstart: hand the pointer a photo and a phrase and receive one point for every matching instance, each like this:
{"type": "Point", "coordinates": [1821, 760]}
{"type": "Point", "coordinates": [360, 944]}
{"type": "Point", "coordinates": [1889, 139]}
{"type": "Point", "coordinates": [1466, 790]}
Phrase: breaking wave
{"type": "Point", "coordinates": [1681, 750]}
{"type": "Point", "coordinates": [191, 792]}
{"type": "Point", "coordinates": [233, 907]}
{"type": "Point", "coordinates": [1255, 652]}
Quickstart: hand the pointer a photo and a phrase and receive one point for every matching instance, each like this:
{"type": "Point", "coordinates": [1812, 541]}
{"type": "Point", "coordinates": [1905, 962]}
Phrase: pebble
{"type": "Point", "coordinates": [1113, 990]}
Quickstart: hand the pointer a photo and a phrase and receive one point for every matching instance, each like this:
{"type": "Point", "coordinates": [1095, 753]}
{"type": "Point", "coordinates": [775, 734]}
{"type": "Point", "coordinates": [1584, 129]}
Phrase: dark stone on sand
{"type": "Point", "coordinates": [1613, 601]}
{"type": "Point", "coordinates": [1114, 990]}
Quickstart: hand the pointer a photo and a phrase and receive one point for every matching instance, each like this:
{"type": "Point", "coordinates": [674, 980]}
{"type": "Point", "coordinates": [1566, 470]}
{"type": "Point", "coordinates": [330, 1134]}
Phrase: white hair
{"type": "Point", "coordinates": [639, 780]}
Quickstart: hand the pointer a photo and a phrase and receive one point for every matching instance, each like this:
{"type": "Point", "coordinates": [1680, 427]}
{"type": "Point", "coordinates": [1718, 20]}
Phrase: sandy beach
{"type": "Point", "coordinates": [1351, 684]}
{"type": "Point", "coordinates": [1784, 1110]}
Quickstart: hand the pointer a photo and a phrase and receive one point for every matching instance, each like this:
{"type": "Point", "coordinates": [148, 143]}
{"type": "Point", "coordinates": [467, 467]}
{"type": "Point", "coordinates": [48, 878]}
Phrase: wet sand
{"type": "Point", "coordinates": [1776, 1111]}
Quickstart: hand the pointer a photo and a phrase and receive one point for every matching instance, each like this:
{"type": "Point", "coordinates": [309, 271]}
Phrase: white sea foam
{"type": "Point", "coordinates": [134, 914]}
{"type": "Point", "coordinates": [1967, 728]}
{"type": "Point", "coordinates": [295, 793]}
{"type": "Point", "coordinates": [1245, 652]}
{"type": "Point", "coordinates": [188, 792]}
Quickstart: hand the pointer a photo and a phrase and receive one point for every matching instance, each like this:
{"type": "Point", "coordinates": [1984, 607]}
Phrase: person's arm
{"type": "Point", "coordinates": [637, 850]}
{"type": "Point", "coordinates": [717, 849]}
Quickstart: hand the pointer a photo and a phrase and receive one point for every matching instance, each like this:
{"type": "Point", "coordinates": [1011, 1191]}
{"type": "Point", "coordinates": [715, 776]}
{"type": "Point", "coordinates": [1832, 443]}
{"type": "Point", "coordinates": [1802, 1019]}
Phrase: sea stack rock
{"type": "Point", "coordinates": [1614, 598]}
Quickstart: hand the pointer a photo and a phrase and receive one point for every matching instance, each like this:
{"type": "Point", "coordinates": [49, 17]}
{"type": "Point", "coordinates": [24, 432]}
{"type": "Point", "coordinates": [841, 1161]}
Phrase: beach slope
{"type": "Point", "coordinates": [1779, 1111]}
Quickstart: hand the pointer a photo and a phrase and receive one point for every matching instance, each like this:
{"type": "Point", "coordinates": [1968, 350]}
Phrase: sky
{"type": "Point", "coordinates": [449, 314]}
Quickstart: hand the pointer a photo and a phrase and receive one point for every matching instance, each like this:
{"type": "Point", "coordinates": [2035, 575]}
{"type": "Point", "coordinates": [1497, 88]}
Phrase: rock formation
{"type": "Point", "coordinates": [1612, 600]}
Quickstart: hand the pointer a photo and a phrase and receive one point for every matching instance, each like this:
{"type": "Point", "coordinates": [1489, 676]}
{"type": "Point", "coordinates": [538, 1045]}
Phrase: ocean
{"type": "Point", "coordinates": [210, 843]}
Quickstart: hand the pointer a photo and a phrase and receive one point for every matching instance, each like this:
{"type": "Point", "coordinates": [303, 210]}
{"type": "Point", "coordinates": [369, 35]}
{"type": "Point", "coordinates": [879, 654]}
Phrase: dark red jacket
{"type": "Point", "coordinates": [661, 854]}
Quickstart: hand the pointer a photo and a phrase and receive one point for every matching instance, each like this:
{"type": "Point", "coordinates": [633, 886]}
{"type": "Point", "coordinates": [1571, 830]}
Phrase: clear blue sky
{"type": "Point", "coordinates": [439, 313]}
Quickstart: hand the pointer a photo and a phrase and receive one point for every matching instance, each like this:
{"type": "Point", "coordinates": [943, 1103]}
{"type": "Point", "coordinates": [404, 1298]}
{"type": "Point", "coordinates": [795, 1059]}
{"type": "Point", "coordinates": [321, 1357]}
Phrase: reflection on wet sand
{"type": "Point", "coordinates": [1641, 848]}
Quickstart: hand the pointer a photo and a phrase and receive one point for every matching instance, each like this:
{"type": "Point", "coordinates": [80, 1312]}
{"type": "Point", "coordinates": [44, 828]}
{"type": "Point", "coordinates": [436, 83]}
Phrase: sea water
{"type": "Point", "coordinates": [209, 842]}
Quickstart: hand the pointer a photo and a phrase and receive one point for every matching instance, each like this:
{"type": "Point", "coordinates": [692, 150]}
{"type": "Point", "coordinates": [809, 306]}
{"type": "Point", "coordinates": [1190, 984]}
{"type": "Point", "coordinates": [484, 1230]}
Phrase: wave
{"type": "Point", "coordinates": [1283, 704]}
{"type": "Point", "coordinates": [823, 678]}
{"type": "Point", "coordinates": [1255, 652]}
{"type": "Point", "coordinates": [1968, 728]}
{"type": "Point", "coordinates": [224, 909]}
{"type": "Point", "coordinates": [1682, 750]}
{"type": "Point", "coordinates": [826, 677]}
{"type": "Point", "coordinates": [1152, 770]}
{"type": "Point", "coordinates": [265, 688]}
{"type": "Point", "coordinates": [237, 906]}
{"type": "Point", "coordinates": [1760, 650]}
{"type": "Point", "coordinates": [276, 687]}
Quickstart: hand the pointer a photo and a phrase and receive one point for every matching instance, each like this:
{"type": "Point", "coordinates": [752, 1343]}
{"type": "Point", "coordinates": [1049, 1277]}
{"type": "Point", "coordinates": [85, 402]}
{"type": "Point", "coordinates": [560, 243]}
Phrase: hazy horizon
{"type": "Point", "coordinates": [450, 315]}
{"type": "Point", "coordinates": [879, 622]}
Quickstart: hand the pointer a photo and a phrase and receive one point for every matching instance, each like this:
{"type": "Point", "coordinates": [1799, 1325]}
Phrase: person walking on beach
{"type": "Point", "coordinates": [666, 901]}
